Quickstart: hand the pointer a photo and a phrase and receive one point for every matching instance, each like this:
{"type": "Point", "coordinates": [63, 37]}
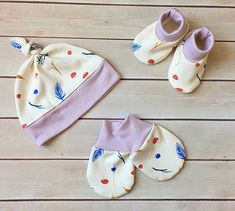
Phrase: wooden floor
{"type": "Point", "coordinates": [52, 177]}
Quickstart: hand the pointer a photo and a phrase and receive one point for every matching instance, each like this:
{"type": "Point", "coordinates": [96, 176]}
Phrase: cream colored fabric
{"type": "Point", "coordinates": [49, 76]}
{"type": "Point", "coordinates": [184, 75]}
{"type": "Point", "coordinates": [110, 173]}
{"type": "Point", "coordinates": [161, 156]}
{"type": "Point", "coordinates": [149, 49]}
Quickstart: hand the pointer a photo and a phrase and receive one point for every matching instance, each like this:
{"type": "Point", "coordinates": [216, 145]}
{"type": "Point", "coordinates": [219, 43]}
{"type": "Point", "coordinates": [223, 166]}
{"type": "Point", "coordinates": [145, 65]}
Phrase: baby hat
{"type": "Point", "coordinates": [56, 85]}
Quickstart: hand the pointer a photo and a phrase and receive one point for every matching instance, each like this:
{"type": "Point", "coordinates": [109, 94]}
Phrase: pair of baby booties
{"type": "Point", "coordinates": [62, 78]}
{"type": "Point", "coordinates": [155, 43]}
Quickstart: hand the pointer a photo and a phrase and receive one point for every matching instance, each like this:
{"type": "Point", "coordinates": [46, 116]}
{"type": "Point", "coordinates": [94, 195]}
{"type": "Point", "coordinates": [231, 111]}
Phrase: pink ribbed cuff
{"type": "Point", "coordinates": [123, 135]}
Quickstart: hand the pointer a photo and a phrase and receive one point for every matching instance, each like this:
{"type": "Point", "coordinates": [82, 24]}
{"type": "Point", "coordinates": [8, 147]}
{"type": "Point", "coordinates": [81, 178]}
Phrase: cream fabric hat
{"type": "Point", "coordinates": [56, 85]}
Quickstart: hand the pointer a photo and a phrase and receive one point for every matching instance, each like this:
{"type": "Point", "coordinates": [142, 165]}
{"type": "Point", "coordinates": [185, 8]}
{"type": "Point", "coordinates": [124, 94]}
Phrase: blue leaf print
{"type": "Point", "coordinates": [59, 93]}
{"type": "Point", "coordinates": [16, 45]}
{"type": "Point", "coordinates": [37, 106]}
{"type": "Point", "coordinates": [97, 153]}
{"type": "Point", "coordinates": [180, 152]}
{"type": "Point", "coordinates": [162, 170]}
{"type": "Point", "coordinates": [135, 47]}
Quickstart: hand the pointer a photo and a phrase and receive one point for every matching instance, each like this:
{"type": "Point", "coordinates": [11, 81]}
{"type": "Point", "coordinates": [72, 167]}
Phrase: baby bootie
{"type": "Point", "coordinates": [156, 41]}
{"type": "Point", "coordinates": [110, 171]}
{"type": "Point", "coordinates": [189, 61]}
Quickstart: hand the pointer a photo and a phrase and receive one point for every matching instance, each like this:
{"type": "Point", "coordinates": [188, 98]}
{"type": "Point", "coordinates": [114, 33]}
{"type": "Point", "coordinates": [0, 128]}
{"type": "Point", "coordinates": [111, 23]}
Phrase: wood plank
{"type": "Point", "coordinates": [212, 3]}
{"type": "Point", "coordinates": [67, 180]}
{"type": "Point", "coordinates": [120, 205]}
{"type": "Point", "coordinates": [220, 64]}
{"type": "Point", "coordinates": [212, 100]}
{"type": "Point", "coordinates": [202, 140]}
{"type": "Point", "coordinates": [102, 21]}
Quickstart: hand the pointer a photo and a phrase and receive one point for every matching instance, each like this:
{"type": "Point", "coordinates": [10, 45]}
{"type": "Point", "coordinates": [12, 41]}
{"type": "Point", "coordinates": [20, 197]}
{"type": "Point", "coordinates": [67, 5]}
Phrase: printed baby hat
{"type": "Point", "coordinates": [127, 144]}
{"type": "Point", "coordinates": [189, 61]}
{"type": "Point", "coordinates": [156, 41]}
{"type": "Point", "coordinates": [56, 85]}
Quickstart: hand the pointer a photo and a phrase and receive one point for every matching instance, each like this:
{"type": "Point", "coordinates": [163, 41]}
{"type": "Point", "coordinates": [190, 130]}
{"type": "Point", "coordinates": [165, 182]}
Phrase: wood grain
{"type": "Point", "coordinates": [204, 120]}
{"type": "Point", "coordinates": [67, 180]}
{"type": "Point", "coordinates": [220, 65]}
{"type": "Point", "coordinates": [92, 21]}
{"type": "Point", "coordinates": [212, 100]}
{"type": "Point", "coordinates": [202, 140]}
{"type": "Point", "coordinates": [122, 205]}
{"type": "Point", "coordinates": [211, 3]}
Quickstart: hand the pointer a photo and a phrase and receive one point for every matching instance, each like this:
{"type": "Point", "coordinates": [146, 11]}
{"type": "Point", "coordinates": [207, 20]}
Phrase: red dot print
{"type": "Point", "coordinates": [24, 125]}
{"type": "Point", "coordinates": [104, 181]}
{"type": "Point", "coordinates": [155, 140]}
{"type": "Point", "coordinates": [179, 89]}
{"type": "Point", "coordinates": [132, 172]}
{"type": "Point", "coordinates": [69, 52]}
{"type": "Point", "coordinates": [140, 166]}
{"type": "Point", "coordinates": [151, 61]}
{"type": "Point", "coordinates": [85, 75]}
{"type": "Point", "coordinates": [18, 96]}
{"type": "Point", "coordinates": [73, 74]}
{"type": "Point", "coordinates": [175, 77]}
{"type": "Point", "coordinates": [197, 64]}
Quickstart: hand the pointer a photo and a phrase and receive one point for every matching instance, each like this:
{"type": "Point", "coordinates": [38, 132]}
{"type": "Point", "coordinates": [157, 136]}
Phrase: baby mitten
{"type": "Point", "coordinates": [161, 156]}
{"type": "Point", "coordinates": [156, 41]}
{"type": "Point", "coordinates": [56, 85]}
{"type": "Point", "coordinates": [110, 171]}
{"type": "Point", "coordinates": [127, 143]}
{"type": "Point", "coordinates": [189, 61]}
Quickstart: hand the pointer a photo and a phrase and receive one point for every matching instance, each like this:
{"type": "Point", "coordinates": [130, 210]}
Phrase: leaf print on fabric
{"type": "Point", "coordinates": [41, 58]}
{"type": "Point", "coordinates": [89, 53]}
{"type": "Point", "coordinates": [127, 189]}
{"type": "Point", "coordinates": [180, 152]}
{"type": "Point", "coordinates": [34, 46]}
{"type": "Point", "coordinates": [55, 68]}
{"type": "Point", "coordinates": [97, 153]}
{"type": "Point", "coordinates": [37, 106]}
{"type": "Point", "coordinates": [20, 77]}
{"type": "Point", "coordinates": [15, 45]}
{"type": "Point", "coordinates": [120, 157]}
{"type": "Point", "coordinates": [59, 92]}
{"type": "Point", "coordinates": [162, 170]}
{"type": "Point", "coordinates": [135, 47]}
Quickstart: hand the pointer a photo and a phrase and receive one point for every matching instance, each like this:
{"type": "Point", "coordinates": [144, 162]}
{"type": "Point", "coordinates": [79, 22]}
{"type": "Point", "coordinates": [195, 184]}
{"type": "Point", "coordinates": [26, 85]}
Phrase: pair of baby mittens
{"type": "Point", "coordinates": [127, 144]}
{"type": "Point", "coordinates": [168, 33]}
